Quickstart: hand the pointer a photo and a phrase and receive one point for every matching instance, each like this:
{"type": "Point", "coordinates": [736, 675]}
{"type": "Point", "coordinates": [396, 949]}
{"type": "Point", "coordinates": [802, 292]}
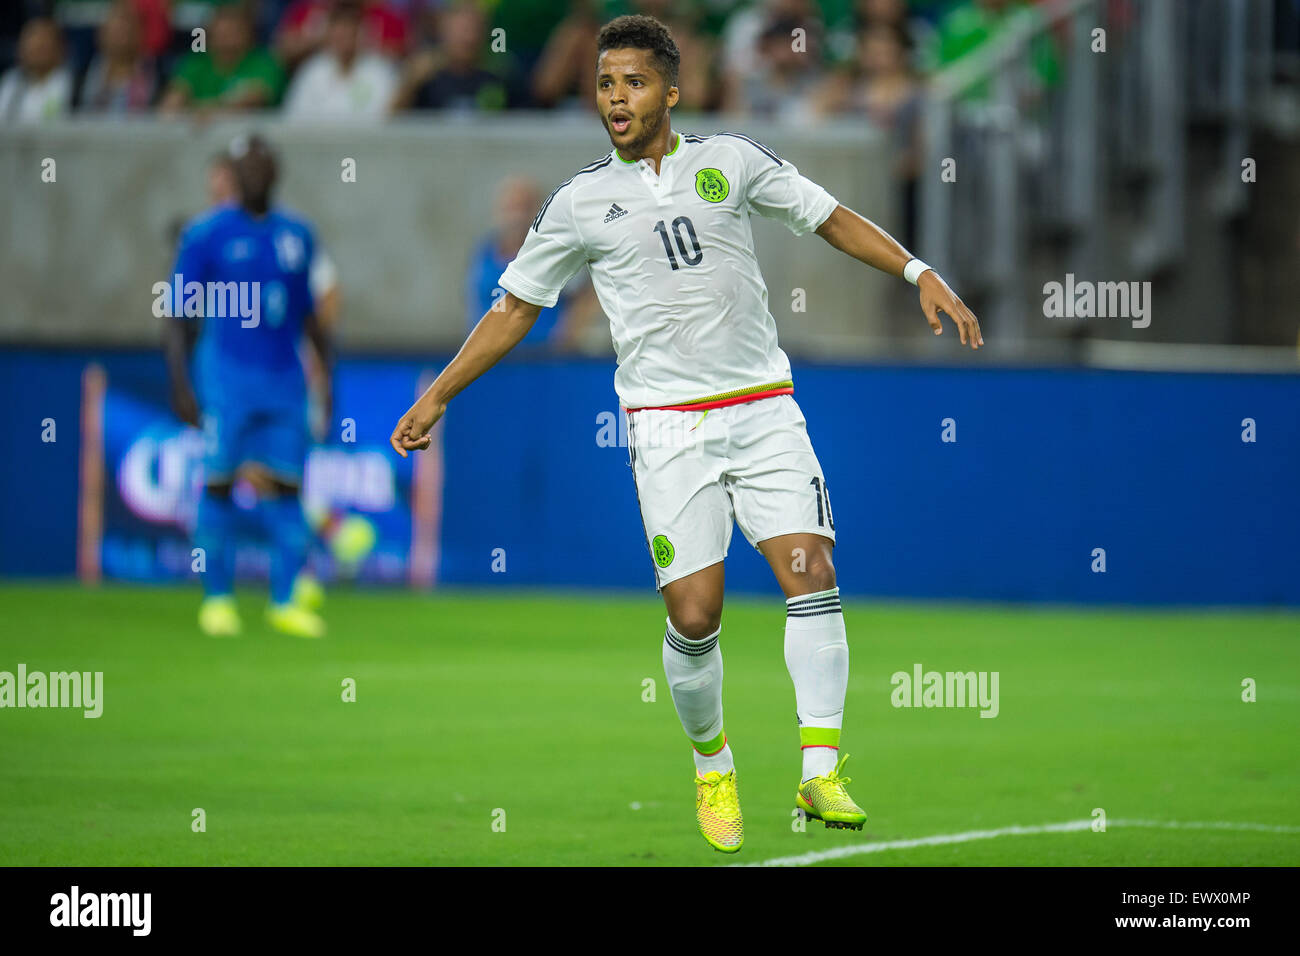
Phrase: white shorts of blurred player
{"type": "Point", "coordinates": [698, 473]}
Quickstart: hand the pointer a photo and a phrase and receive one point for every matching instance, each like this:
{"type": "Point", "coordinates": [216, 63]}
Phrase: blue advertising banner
{"type": "Point", "coordinates": [989, 484]}
{"type": "Point", "coordinates": [358, 495]}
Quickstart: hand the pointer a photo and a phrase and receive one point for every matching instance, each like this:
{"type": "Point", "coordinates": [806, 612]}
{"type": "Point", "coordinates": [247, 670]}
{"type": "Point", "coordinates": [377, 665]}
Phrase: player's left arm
{"type": "Point", "coordinates": [862, 239]}
{"type": "Point", "coordinates": [323, 345]}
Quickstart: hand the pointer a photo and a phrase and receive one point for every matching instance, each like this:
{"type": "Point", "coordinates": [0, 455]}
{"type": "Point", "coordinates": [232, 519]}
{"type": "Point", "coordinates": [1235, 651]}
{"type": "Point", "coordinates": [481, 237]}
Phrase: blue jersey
{"type": "Point", "coordinates": [482, 292]}
{"type": "Point", "coordinates": [250, 275]}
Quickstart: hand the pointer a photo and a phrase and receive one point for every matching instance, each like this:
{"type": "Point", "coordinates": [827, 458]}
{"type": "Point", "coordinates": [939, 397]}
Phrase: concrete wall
{"type": "Point", "coordinates": [79, 256]}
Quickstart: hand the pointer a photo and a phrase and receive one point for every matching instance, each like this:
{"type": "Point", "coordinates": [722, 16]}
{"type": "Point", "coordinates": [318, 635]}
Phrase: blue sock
{"type": "Point", "coordinates": [213, 532]}
{"type": "Point", "coordinates": [288, 529]}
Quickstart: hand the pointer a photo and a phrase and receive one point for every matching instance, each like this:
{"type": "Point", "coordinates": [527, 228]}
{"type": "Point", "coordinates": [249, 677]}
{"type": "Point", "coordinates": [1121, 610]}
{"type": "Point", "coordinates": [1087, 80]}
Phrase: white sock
{"type": "Point", "coordinates": [694, 672]}
{"type": "Point", "coordinates": [720, 761]}
{"type": "Point", "coordinates": [817, 656]}
{"type": "Point", "coordinates": [818, 762]}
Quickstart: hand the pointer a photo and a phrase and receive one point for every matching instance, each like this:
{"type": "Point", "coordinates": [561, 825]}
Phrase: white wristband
{"type": "Point", "coordinates": [912, 271]}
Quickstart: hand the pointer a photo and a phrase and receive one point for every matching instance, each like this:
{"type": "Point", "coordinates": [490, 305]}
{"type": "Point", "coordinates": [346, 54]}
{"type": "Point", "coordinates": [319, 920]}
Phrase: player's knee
{"type": "Point", "coordinates": [696, 622]}
{"type": "Point", "coordinates": [820, 574]}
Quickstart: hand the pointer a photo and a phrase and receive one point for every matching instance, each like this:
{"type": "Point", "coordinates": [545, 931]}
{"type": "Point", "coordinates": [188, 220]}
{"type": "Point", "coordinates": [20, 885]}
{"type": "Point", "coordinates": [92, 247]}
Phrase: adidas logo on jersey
{"type": "Point", "coordinates": [615, 211]}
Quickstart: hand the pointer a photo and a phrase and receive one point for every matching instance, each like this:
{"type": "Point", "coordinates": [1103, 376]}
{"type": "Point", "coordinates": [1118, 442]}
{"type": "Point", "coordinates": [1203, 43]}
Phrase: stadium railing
{"type": "Point", "coordinates": [1091, 169]}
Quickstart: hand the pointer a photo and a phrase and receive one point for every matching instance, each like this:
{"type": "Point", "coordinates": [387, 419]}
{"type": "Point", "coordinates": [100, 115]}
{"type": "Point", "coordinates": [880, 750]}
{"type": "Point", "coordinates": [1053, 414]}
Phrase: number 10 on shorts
{"type": "Point", "coordinates": [824, 516]}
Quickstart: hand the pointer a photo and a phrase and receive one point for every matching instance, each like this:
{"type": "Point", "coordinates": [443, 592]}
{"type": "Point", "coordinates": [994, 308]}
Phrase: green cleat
{"type": "Point", "coordinates": [824, 798]}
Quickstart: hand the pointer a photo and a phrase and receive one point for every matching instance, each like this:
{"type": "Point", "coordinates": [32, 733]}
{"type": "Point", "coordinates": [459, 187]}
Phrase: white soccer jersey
{"type": "Point", "coordinates": [672, 262]}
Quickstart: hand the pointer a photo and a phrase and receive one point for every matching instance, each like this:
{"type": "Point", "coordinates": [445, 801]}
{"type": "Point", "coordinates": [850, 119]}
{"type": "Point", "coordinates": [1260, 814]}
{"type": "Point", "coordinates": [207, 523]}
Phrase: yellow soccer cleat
{"type": "Point", "coordinates": [717, 808]}
{"type": "Point", "coordinates": [307, 592]}
{"type": "Point", "coordinates": [218, 617]}
{"type": "Point", "coordinates": [295, 621]}
{"type": "Point", "coordinates": [824, 798]}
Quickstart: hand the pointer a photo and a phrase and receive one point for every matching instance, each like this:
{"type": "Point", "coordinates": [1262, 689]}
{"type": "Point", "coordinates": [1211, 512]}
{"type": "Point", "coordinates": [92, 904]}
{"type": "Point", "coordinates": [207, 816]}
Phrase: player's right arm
{"type": "Point", "coordinates": [552, 252]}
{"type": "Point", "coordinates": [178, 341]}
{"type": "Point", "coordinates": [776, 190]}
{"type": "Point", "coordinates": [502, 328]}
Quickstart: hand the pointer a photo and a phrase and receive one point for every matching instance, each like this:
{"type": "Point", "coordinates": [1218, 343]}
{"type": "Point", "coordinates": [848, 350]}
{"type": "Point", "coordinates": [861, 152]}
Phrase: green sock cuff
{"type": "Point", "coordinates": [707, 748]}
{"type": "Point", "coordinates": [819, 737]}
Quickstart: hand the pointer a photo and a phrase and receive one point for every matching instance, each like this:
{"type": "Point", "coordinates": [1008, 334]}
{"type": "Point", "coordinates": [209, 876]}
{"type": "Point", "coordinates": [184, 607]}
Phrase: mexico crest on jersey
{"type": "Point", "coordinates": [712, 185]}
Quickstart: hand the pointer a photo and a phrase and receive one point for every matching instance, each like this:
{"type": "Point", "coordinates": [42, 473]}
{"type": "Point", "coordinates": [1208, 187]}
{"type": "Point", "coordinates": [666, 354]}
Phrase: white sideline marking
{"type": "Point", "coordinates": [1070, 826]}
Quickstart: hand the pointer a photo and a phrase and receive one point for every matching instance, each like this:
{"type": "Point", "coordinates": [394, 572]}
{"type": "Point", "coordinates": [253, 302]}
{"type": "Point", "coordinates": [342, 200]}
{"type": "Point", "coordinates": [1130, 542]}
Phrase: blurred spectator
{"type": "Point", "coordinates": [155, 26]}
{"type": "Point", "coordinates": [744, 29]}
{"type": "Point", "coordinates": [884, 89]}
{"type": "Point", "coordinates": [39, 87]}
{"type": "Point", "coordinates": [565, 73]}
{"type": "Point", "coordinates": [880, 13]}
{"type": "Point", "coordinates": [973, 23]}
{"type": "Point", "coordinates": [788, 77]}
{"type": "Point", "coordinates": [232, 74]}
{"type": "Point", "coordinates": [714, 14]}
{"type": "Point", "coordinates": [528, 26]}
{"type": "Point", "coordinates": [844, 39]}
{"type": "Point", "coordinates": [455, 74]}
{"type": "Point", "coordinates": [695, 85]}
{"type": "Point", "coordinates": [12, 17]}
{"type": "Point", "coordinates": [81, 21]}
{"type": "Point", "coordinates": [557, 327]}
{"type": "Point", "coordinates": [303, 29]}
{"type": "Point", "coordinates": [342, 80]}
{"type": "Point", "coordinates": [120, 78]}
{"type": "Point", "coordinates": [420, 18]}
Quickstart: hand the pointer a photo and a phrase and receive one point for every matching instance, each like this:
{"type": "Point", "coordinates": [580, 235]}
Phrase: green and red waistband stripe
{"type": "Point", "coordinates": [722, 401]}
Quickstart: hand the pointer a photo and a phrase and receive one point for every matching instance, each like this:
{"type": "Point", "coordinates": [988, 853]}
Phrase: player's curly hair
{"type": "Point", "coordinates": [642, 33]}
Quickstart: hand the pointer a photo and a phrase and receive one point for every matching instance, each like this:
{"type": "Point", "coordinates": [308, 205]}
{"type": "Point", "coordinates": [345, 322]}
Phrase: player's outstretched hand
{"type": "Point", "coordinates": [412, 431]}
{"type": "Point", "coordinates": [936, 297]}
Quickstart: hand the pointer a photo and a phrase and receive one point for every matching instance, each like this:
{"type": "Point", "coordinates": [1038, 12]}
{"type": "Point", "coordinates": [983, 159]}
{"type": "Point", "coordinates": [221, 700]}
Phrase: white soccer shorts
{"type": "Point", "coordinates": [698, 472]}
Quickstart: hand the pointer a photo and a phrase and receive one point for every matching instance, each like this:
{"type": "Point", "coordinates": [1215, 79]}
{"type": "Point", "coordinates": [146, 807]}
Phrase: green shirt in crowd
{"type": "Point", "coordinates": [208, 83]}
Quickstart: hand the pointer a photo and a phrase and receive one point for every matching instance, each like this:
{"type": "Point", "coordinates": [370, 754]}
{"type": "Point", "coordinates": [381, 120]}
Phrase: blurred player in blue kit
{"type": "Point", "coordinates": [246, 306]}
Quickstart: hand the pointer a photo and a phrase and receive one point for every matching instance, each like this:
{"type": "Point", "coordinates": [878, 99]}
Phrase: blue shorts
{"type": "Point", "coordinates": [275, 437]}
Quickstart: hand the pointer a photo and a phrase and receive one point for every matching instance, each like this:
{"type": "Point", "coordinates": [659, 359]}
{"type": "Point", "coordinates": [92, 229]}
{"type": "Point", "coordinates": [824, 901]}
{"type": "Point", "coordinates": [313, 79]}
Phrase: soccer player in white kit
{"type": "Point", "coordinates": [714, 433]}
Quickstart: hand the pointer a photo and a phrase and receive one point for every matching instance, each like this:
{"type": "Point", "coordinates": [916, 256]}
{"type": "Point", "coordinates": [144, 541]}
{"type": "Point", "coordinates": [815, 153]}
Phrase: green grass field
{"type": "Point", "coordinates": [531, 704]}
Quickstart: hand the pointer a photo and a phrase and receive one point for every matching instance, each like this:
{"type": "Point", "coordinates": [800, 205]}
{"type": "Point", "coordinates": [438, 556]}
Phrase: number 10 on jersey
{"type": "Point", "coordinates": [691, 258]}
